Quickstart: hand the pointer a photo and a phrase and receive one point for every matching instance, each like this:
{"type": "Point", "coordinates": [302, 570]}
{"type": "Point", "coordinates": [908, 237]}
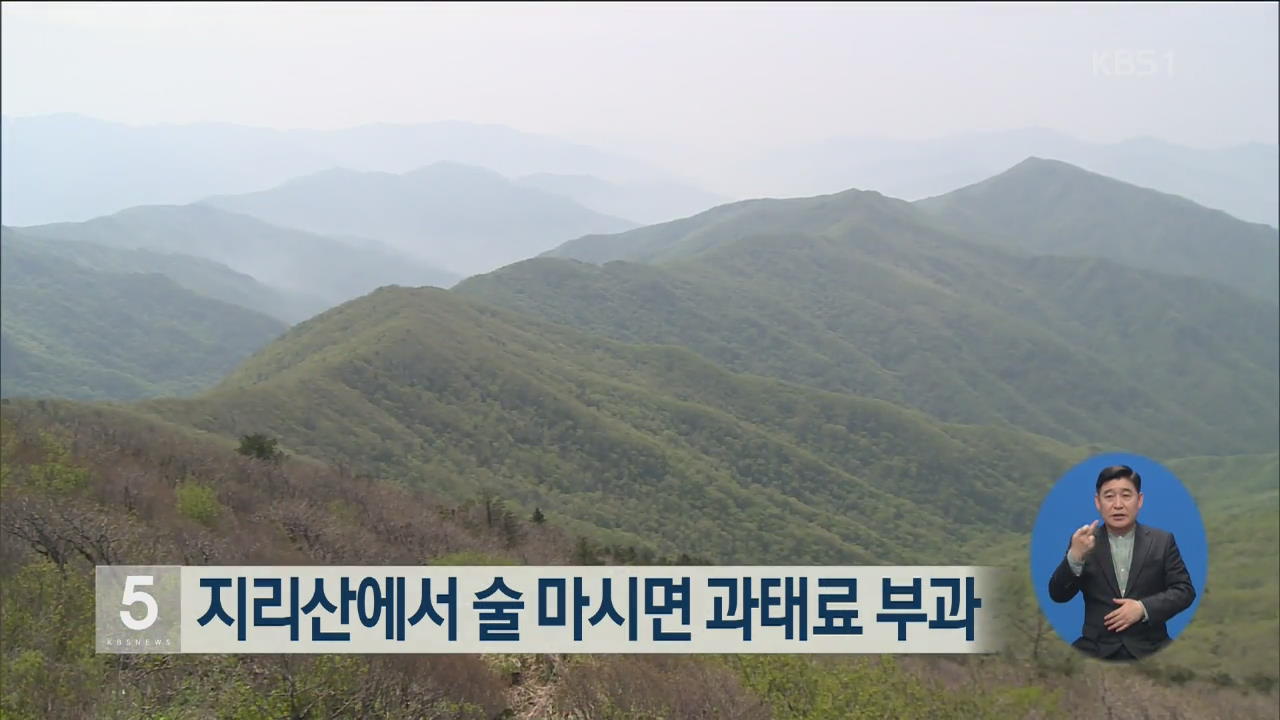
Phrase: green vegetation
{"type": "Point", "coordinates": [1236, 631]}
{"type": "Point", "coordinates": [123, 508]}
{"type": "Point", "coordinates": [198, 502]}
{"type": "Point", "coordinates": [1039, 207]}
{"type": "Point", "coordinates": [203, 277]}
{"type": "Point", "coordinates": [1050, 207]}
{"type": "Point", "coordinates": [892, 309]}
{"type": "Point", "coordinates": [804, 688]}
{"type": "Point", "coordinates": [833, 380]}
{"type": "Point", "coordinates": [113, 468]}
{"type": "Point", "coordinates": [695, 459]}
{"type": "Point", "coordinates": [70, 331]}
{"type": "Point", "coordinates": [471, 558]}
{"type": "Point", "coordinates": [260, 447]}
{"type": "Point", "coordinates": [633, 445]}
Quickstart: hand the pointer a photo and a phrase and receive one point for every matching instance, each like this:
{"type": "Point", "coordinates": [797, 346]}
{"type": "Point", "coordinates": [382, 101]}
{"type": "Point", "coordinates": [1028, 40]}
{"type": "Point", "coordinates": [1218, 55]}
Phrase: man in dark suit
{"type": "Point", "coordinates": [1132, 576]}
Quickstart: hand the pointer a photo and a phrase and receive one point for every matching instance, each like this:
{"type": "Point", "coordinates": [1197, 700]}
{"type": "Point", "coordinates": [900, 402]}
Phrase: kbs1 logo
{"type": "Point", "coordinates": [1132, 63]}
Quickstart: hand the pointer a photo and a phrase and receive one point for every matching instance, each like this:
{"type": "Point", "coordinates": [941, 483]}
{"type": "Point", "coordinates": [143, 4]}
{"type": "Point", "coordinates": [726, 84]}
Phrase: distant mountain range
{"type": "Point", "coordinates": [463, 218]}
{"type": "Point", "coordinates": [73, 331]}
{"type": "Point", "coordinates": [1038, 207]}
{"type": "Point", "coordinates": [644, 202]}
{"type": "Point", "coordinates": [316, 271]}
{"type": "Point", "coordinates": [869, 295]}
{"type": "Point", "coordinates": [189, 257]}
{"type": "Point", "coordinates": [1051, 208]}
{"type": "Point", "coordinates": [54, 165]}
{"type": "Point", "coordinates": [839, 379]}
{"type": "Point", "coordinates": [70, 167]}
{"type": "Point", "coordinates": [917, 304]}
{"type": "Point", "coordinates": [78, 319]}
{"type": "Point", "coordinates": [1242, 180]}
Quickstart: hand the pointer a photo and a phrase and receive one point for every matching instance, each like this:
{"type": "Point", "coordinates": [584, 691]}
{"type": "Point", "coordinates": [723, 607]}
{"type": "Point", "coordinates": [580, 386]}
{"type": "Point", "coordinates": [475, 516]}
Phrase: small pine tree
{"type": "Point", "coordinates": [260, 447]}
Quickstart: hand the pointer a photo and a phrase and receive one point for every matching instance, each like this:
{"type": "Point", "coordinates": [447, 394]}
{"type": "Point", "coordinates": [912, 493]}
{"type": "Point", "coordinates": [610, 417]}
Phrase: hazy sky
{"type": "Point", "coordinates": [714, 75]}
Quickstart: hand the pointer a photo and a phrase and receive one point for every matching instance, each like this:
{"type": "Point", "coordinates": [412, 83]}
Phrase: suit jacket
{"type": "Point", "coordinates": [1157, 577]}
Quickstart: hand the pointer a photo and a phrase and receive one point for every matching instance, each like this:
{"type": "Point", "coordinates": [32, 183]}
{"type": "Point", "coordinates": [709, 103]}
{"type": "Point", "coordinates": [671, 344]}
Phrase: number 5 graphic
{"type": "Point", "coordinates": [133, 596]}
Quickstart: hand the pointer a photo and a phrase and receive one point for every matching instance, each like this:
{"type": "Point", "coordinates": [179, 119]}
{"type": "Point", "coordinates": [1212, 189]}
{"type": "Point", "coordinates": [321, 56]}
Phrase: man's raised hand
{"type": "Point", "coordinates": [1082, 541]}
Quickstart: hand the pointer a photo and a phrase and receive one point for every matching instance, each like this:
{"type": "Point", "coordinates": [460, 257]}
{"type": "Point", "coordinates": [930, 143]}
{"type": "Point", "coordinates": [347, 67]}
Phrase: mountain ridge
{"type": "Point", "coordinates": [323, 269]}
{"type": "Point", "coordinates": [1044, 206]}
{"type": "Point", "coordinates": [888, 304]}
{"type": "Point", "coordinates": [450, 391]}
{"type": "Point", "coordinates": [466, 218]}
{"type": "Point", "coordinates": [72, 331]}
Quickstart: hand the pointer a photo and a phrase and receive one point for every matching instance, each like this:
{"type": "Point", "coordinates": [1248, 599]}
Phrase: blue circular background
{"type": "Point", "coordinates": [1166, 504]}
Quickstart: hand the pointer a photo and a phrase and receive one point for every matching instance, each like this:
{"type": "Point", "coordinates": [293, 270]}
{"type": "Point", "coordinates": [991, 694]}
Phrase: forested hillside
{"type": "Point", "coordinates": [72, 331]}
{"type": "Point", "coordinates": [763, 284]}
{"type": "Point", "coordinates": [1053, 208]}
{"type": "Point", "coordinates": [202, 276]}
{"type": "Point", "coordinates": [83, 485]}
{"type": "Point", "coordinates": [650, 444]}
{"type": "Point", "coordinates": [871, 388]}
{"type": "Point", "coordinates": [897, 310]}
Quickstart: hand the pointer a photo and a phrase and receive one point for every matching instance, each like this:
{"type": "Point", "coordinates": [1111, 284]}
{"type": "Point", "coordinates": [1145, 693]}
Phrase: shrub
{"type": "Point", "coordinates": [260, 447]}
{"type": "Point", "coordinates": [198, 502]}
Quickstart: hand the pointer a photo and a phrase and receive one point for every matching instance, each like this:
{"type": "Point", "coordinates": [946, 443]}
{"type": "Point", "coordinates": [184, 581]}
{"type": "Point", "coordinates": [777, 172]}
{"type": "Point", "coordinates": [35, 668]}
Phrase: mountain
{"type": "Point", "coordinates": [1242, 180]}
{"type": "Point", "coordinates": [459, 217]}
{"type": "Point", "coordinates": [643, 444]}
{"type": "Point", "coordinates": [650, 446]}
{"type": "Point", "coordinates": [323, 270]}
{"type": "Point", "coordinates": [1038, 206]}
{"type": "Point", "coordinates": [69, 167]}
{"type": "Point", "coordinates": [1049, 207]}
{"type": "Point", "coordinates": [1234, 629]}
{"type": "Point", "coordinates": [204, 277]}
{"type": "Point", "coordinates": [866, 295]}
{"type": "Point", "coordinates": [53, 165]}
{"type": "Point", "coordinates": [645, 202]}
{"type": "Point", "coordinates": [108, 485]}
{"type": "Point", "coordinates": [727, 223]}
{"type": "Point", "coordinates": [71, 331]}
{"type": "Point", "coordinates": [401, 148]}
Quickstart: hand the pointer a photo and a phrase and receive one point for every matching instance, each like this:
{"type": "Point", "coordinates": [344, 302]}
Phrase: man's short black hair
{"type": "Point", "coordinates": [1118, 471]}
